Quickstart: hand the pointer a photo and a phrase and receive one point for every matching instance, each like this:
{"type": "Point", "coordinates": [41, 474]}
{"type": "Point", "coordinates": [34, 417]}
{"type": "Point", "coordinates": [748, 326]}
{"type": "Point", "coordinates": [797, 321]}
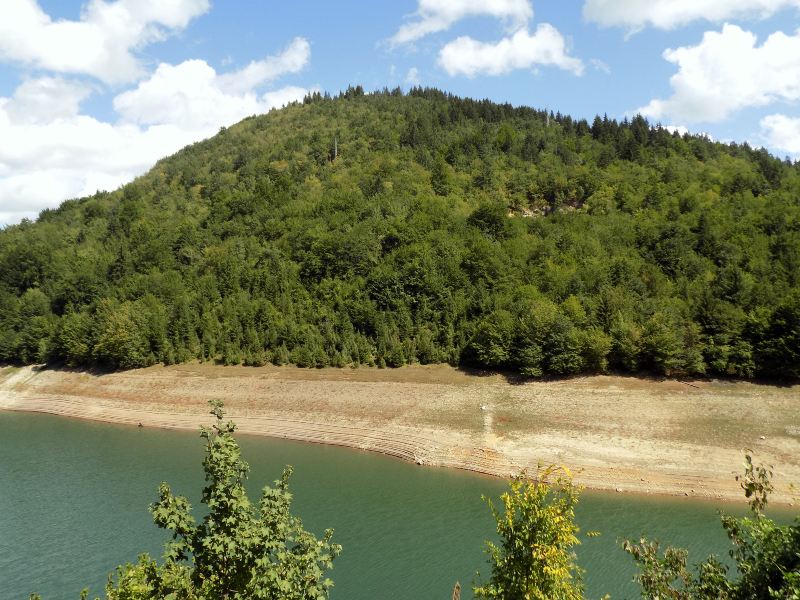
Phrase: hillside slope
{"type": "Point", "coordinates": [389, 228]}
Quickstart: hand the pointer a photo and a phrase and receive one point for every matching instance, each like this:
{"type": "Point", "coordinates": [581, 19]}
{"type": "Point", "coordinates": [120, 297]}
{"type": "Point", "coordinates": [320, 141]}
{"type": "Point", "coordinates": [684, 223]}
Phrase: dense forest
{"type": "Point", "coordinates": [389, 228]}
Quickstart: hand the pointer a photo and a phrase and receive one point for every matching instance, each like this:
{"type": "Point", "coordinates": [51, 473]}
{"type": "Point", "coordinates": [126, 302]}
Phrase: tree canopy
{"type": "Point", "coordinates": [390, 228]}
{"type": "Point", "coordinates": [537, 531]}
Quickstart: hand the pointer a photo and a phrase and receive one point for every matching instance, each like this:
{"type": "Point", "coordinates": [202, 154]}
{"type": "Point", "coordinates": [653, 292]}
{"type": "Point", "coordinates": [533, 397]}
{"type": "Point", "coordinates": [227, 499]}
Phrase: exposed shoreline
{"type": "Point", "coordinates": [614, 433]}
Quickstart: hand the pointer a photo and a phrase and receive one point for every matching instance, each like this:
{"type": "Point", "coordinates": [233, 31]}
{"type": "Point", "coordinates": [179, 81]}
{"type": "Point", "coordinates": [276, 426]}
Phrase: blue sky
{"type": "Point", "coordinates": [93, 93]}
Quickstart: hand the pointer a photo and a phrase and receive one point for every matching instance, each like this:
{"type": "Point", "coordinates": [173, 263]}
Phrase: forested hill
{"type": "Point", "coordinates": [388, 229]}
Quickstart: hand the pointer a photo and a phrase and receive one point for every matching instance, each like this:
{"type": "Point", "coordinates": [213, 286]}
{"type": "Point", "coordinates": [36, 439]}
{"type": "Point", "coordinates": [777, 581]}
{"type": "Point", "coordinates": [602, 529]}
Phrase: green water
{"type": "Point", "coordinates": [74, 496]}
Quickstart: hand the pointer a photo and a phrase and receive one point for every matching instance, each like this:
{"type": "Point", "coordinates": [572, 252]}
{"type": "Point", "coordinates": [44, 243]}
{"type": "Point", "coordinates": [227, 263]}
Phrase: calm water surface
{"type": "Point", "coordinates": [74, 496]}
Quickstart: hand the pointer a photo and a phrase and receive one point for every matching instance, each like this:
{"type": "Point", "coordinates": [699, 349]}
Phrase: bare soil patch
{"type": "Point", "coordinates": [624, 433]}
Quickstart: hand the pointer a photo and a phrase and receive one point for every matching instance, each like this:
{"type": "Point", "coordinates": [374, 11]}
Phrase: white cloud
{"type": "Point", "coordinates": [46, 157]}
{"type": "Point", "coordinates": [187, 95]}
{"type": "Point", "coordinates": [546, 47]}
{"type": "Point", "coordinates": [466, 56]}
{"type": "Point", "coordinates": [100, 44]}
{"type": "Point", "coordinates": [782, 133]}
{"type": "Point", "coordinates": [679, 129]}
{"type": "Point", "coordinates": [727, 72]}
{"type": "Point", "coordinates": [291, 60]}
{"type": "Point", "coordinates": [439, 15]}
{"type": "Point", "coordinates": [283, 96]}
{"type": "Point", "coordinates": [46, 99]}
{"type": "Point", "coordinates": [668, 14]}
{"type": "Point", "coordinates": [192, 95]}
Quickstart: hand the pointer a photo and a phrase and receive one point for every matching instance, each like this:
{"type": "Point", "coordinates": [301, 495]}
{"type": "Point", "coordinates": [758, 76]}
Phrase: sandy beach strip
{"type": "Point", "coordinates": [626, 434]}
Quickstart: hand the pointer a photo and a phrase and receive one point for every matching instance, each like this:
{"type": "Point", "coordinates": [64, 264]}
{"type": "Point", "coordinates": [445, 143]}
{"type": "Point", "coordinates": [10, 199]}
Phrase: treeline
{"type": "Point", "coordinates": [389, 228]}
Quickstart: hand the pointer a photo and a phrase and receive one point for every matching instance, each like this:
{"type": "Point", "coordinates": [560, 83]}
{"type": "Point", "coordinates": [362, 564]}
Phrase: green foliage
{"type": "Point", "coordinates": [492, 340]}
{"type": "Point", "coordinates": [596, 346]}
{"type": "Point", "coordinates": [779, 350]}
{"type": "Point", "coordinates": [121, 336]}
{"type": "Point", "coordinates": [239, 550]}
{"type": "Point", "coordinates": [491, 219]}
{"type": "Point", "coordinates": [667, 576]}
{"type": "Point", "coordinates": [636, 249]}
{"type": "Point", "coordinates": [537, 530]}
{"type": "Point", "coordinates": [767, 556]}
{"type": "Point", "coordinates": [74, 339]}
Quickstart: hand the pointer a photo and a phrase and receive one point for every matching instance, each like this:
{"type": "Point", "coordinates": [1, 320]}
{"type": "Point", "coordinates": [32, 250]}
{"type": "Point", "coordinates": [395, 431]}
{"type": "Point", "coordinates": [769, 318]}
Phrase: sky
{"type": "Point", "coordinates": [93, 93]}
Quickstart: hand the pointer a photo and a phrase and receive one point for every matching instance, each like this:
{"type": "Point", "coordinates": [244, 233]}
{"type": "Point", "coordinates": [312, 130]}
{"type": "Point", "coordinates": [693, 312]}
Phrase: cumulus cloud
{"type": "Point", "coordinates": [283, 96]}
{"type": "Point", "coordinates": [433, 16]}
{"type": "Point", "coordinates": [193, 96]}
{"type": "Point", "coordinates": [522, 50]}
{"type": "Point", "coordinates": [46, 99]}
{"type": "Point", "coordinates": [291, 60]}
{"type": "Point", "coordinates": [782, 133]}
{"type": "Point", "coordinates": [669, 14]}
{"type": "Point", "coordinates": [48, 156]}
{"type": "Point", "coordinates": [101, 44]}
{"type": "Point", "coordinates": [727, 71]}
{"type": "Point", "coordinates": [679, 129]}
{"type": "Point", "coordinates": [412, 77]}
{"type": "Point", "coordinates": [466, 56]}
{"type": "Point", "coordinates": [187, 95]}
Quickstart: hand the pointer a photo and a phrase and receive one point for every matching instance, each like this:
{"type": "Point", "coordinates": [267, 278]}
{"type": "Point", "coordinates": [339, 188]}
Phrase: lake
{"type": "Point", "coordinates": [74, 497]}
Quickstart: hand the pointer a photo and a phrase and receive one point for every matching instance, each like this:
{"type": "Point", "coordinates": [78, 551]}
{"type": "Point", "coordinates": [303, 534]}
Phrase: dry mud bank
{"type": "Point", "coordinates": [617, 433]}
